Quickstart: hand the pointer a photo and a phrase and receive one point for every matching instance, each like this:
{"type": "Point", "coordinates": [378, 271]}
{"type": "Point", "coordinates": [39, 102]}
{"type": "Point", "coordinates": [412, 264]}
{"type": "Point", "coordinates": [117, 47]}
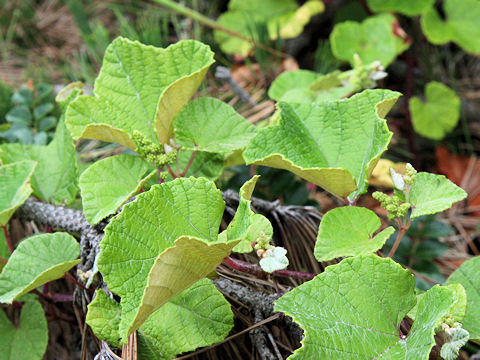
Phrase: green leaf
{"type": "Point", "coordinates": [19, 115]}
{"type": "Point", "coordinates": [14, 187]}
{"type": "Point", "coordinates": [109, 183]}
{"type": "Point", "coordinates": [372, 40]}
{"type": "Point", "coordinates": [251, 18]}
{"type": "Point", "coordinates": [160, 244]}
{"type": "Point", "coordinates": [467, 275]}
{"type": "Point", "coordinates": [290, 80]}
{"type": "Point", "coordinates": [199, 316]}
{"type": "Point", "coordinates": [246, 226]}
{"type": "Point", "coordinates": [406, 7]}
{"type": "Point", "coordinates": [363, 301]}
{"type": "Point", "coordinates": [56, 176]}
{"type": "Point", "coordinates": [348, 231]}
{"type": "Point", "coordinates": [139, 88]}
{"type": "Point", "coordinates": [47, 123]}
{"type": "Point", "coordinates": [49, 257]}
{"type": "Point", "coordinates": [439, 114]}
{"type": "Point", "coordinates": [29, 339]}
{"type": "Point", "coordinates": [431, 194]}
{"type": "Point", "coordinates": [334, 145]}
{"type": "Point", "coordinates": [460, 24]}
{"type": "Point", "coordinates": [42, 110]}
{"type": "Point", "coordinates": [208, 124]}
{"type": "Point", "coordinates": [23, 96]}
{"type": "Point", "coordinates": [204, 164]}
{"type": "Point", "coordinates": [456, 338]}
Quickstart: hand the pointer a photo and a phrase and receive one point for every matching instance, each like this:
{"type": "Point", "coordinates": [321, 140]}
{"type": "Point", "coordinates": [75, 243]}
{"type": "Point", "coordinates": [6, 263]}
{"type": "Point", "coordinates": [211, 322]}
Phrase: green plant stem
{"type": "Point", "coordinates": [7, 238]}
{"type": "Point", "coordinates": [184, 172]}
{"type": "Point", "coordinates": [192, 14]}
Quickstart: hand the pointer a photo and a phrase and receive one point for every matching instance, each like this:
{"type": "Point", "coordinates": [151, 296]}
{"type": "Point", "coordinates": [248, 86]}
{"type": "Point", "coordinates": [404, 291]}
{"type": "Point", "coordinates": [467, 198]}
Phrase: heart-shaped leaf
{"type": "Point", "coordinates": [49, 257]}
{"type": "Point", "coordinates": [439, 114]}
{"type": "Point", "coordinates": [373, 40]}
{"type": "Point", "coordinates": [28, 340]}
{"type": "Point", "coordinates": [467, 276]}
{"type": "Point", "coordinates": [431, 194]}
{"type": "Point", "coordinates": [348, 231]}
{"type": "Point", "coordinates": [363, 301]}
{"type": "Point", "coordinates": [334, 145]}
{"type": "Point", "coordinates": [223, 130]}
{"type": "Point", "coordinates": [139, 88]}
{"type": "Point", "coordinates": [108, 183]}
{"type": "Point", "coordinates": [459, 25]}
{"type": "Point", "coordinates": [199, 316]}
{"type": "Point", "coordinates": [160, 244]}
{"type": "Point", "coordinates": [14, 187]}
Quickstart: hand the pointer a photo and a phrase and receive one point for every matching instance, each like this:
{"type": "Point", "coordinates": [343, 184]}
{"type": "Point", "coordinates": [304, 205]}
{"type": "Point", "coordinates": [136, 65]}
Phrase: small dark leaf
{"type": "Point", "coordinates": [42, 110]}
{"type": "Point", "coordinates": [47, 123]}
{"type": "Point", "coordinates": [19, 115]}
{"type": "Point", "coordinates": [23, 96]}
{"type": "Point", "coordinates": [40, 138]}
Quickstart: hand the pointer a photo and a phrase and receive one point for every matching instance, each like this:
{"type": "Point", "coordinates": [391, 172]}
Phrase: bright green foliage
{"type": "Point", "coordinates": [467, 276]}
{"type": "Point", "coordinates": [460, 25]}
{"type": "Point", "coordinates": [439, 115]}
{"type": "Point", "coordinates": [27, 341]}
{"type": "Point", "coordinates": [208, 124]}
{"type": "Point", "coordinates": [199, 316]}
{"type": "Point", "coordinates": [406, 7]}
{"type": "Point", "coordinates": [372, 40]}
{"type": "Point", "coordinates": [286, 86]}
{"type": "Point", "coordinates": [139, 88]}
{"type": "Point", "coordinates": [247, 226]}
{"type": "Point", "coordinates": [160, 244]}
{"type": "Point", "coordinates": [108, 183]}
{"type": "Point", "coordinates": [335, 145]}
{"type": "Point", "coordinates": [37, 260]}
{"type": "Point", "coordinates": [251, 18]}
{"type": "Point", "coordinates": [204, 164]}
{"type": "Point", "coordinates": [348, 231]}
{"type": "Point", "coordinates": [14, 187]}
{"type": "Point", "coordinates": [56, 177]}
{"type": "Point", "coordinates": [456, 338]}
{"type": "Point", "coordinates": [431, 194]}
{"type": "Point", "coordinates": [353, 311]}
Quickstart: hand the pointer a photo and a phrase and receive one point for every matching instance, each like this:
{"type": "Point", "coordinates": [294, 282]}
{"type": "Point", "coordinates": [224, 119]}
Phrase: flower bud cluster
{"type": "Point", "coordinates": [263, 244]}
{"type": "Point", "coordinates": [392, 205]}
{"type": "Point", "coordinates": [153, 153]}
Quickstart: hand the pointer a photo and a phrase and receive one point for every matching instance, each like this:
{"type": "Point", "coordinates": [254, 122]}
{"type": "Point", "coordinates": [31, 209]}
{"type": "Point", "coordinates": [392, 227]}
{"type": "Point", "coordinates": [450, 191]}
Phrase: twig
{"type": "Point", "coordinates": [397, 242]}
{"type": "Point", "coordinates": [184, 172]}
{"type": "Point", "coordinates": [75, 281]}
{"type": "Point", "coordinates": [7, 239]}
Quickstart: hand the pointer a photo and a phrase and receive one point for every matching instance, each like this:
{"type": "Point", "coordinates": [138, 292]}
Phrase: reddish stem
{"type": "Point", "coordinates": [246, 267]}
{"type": "Point", "coordinates": [54, 297]}
{"type": "Point", "coordinates": [184, 172]}
{"type": "Point", "coordinates": [75, 281]}
{"type": "Point", "coordinates": [170, 171]}
{"type": "Point", "coordinates": [8, 240]}
{"type": "Point", "coordinates": [2, 259]}
{"type": "Point", "coordinates": [401, 231]}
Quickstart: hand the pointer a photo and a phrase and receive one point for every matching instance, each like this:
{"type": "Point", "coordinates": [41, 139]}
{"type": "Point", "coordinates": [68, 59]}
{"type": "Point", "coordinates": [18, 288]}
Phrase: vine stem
{"type": "Point", "coordinates": [246, 267]}
{"type": "Point", "coordinates": [170, 171]}
{"type": "Point", "coordinates": [184, 172]}
{"type": "Point", "coordinates": [402, 229]}
{"type": "Point", "coordinates": [3, 260]}
{"type": "Point", "coordinates": [54, 297]}
{"type": "Point", "coordinates": [75, 281]}
{"type": "Point", "coordinates": [7, 238]}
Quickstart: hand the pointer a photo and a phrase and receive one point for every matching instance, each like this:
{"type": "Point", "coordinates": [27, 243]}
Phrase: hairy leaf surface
{"type": "Point", "coordinates": [139, 88]}
{"type": "Point", "coordinates": [467, 276]}
{"type": "Point", "coordinates": [48, 256]}
{"type": "Point", "coordinates": [108, 183]}
{"type": "Point", "coordinates": [439, 114]}
{"type": "Point", "coordinates": [29, 340]}
{"type": "Point", "coordinates": [14, 187]}
{"type": "Point", "coordinates": [348, 231]}
{"type": "Point", "coordinates": [334, 145]}
{"type": "Point", "coordinates": [160, 244]}
{"type": "Point", "coordinates": [353, 310]}
{"type": "Point", "coordinates": [431, 194]}
{"type": "Point", "coordinates": [209, 124]}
